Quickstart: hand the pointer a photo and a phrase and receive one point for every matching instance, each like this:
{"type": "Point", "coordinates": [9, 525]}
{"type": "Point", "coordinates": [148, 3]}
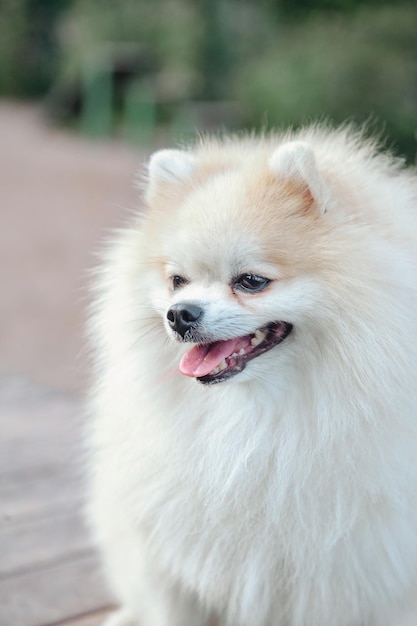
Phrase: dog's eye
{"type": "Point", "coordinates": [251, 282]}
{"type": "Point", "coordinates": [177, 282]}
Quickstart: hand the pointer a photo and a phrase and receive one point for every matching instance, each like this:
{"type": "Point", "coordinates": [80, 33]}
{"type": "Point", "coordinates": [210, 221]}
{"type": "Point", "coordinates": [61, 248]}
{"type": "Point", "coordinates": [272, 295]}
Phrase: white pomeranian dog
{"type": "Point", "coordinates": [254, 420]}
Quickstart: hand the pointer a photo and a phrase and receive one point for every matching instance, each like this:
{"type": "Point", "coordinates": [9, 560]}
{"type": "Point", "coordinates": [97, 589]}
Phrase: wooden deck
{"type": "Point", "coordinates": [59, 197]}
{"type": "Point", "coordinates": [49, 572]}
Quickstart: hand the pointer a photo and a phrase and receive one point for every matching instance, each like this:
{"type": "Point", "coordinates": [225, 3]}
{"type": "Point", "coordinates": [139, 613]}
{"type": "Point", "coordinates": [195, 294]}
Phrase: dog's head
{"type": "Point", "coordinates": [237, 242]}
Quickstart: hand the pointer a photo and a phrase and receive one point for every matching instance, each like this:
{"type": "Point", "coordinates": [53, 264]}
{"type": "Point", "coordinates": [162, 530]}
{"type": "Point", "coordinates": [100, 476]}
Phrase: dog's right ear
{"type": "Point", "coordinates": [168, 169]}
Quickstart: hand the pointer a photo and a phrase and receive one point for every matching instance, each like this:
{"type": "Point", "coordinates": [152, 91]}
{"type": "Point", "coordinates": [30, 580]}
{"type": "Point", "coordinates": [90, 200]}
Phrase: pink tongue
{"type": "Point", "coordinates": [201, 360]}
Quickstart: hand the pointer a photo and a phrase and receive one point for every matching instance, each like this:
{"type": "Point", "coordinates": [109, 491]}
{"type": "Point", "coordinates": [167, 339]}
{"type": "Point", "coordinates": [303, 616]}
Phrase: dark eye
{"type": "Point", "coordinates": [251, 282]}
{"type": "Point", "coordinates": [178, 281]}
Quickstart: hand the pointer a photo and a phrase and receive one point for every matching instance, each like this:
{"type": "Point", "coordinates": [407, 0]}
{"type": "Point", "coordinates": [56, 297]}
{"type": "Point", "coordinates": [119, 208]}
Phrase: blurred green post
{"type": "Point", "coordinates": [215, 53]}
{"type": "Point", "coordinates": [139, 113]}
{"type": "Point", "coordinates": [97, 103]}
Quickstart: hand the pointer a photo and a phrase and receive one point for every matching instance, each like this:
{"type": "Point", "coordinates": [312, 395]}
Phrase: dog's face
{"type": "Point", "coordinates": [224, 299]}
{"type": "Point", "coordinates": [236, 257]}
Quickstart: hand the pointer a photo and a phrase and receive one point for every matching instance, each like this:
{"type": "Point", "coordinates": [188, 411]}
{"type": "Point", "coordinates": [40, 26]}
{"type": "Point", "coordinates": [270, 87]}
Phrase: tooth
{"type": "Point", "coordinates": [216, 370]}
{"type": "Point", "coordinates": [242, 351]}
{"type": "Point", "coordinates": [234, 355]}
{"type": "Point", "coordinates": [258, 338]}
{"type": "Point", "coordinates": [222, 365]}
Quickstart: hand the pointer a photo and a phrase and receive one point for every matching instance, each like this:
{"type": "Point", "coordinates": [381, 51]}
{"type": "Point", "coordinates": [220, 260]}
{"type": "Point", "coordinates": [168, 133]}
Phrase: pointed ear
{"type": "Point", "coordinates": [169, 168]}
{"type": "Point", "coordinates": [295, 162]}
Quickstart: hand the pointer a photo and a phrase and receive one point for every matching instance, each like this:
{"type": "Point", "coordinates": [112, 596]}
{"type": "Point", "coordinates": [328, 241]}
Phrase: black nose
{"type": "Point", "coordinates": [183, 316]}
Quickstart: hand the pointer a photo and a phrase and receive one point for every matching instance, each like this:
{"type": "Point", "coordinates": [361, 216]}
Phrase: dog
{"type": "Point", "coordinates": [253, 433]}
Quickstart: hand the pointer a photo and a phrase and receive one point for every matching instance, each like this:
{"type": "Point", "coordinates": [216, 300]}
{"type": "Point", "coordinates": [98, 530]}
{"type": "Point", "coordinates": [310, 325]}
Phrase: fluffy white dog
{"type": "Point", "coordinates": [254, 431]}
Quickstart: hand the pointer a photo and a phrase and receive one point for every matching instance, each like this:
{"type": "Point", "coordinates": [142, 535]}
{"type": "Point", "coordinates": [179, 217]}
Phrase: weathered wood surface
{"type": "Point", "coordinates": [49, 572]}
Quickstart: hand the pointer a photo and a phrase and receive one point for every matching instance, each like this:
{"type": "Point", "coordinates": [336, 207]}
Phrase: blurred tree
{"type": "Point", "coordinates": [215, 57]}
{"type": "Point", "coordinates": [40, 48]}
{"type": "Point", "coordinates": [304, 8]}
{"type": "Point", "coordinates": [28, 45]}
{"type": "Point", "coordinates": [359, 66]}
{"type": "Point", "coordinates": [282, 61]}
{"type": "Point", "coordinates": [12, 26]}
{"type": "Point", "coordinates": [169, 29]}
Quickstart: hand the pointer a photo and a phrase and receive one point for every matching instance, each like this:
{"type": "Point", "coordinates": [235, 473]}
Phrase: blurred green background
{"type": "Point", "coordinates": [157, 71]}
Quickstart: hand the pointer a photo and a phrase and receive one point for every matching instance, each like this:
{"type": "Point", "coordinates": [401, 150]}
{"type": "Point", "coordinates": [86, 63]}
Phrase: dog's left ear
{"type": "Point", "coordinates": [295, 162]}
{"type": "Point", "coordinates": [168, 169]}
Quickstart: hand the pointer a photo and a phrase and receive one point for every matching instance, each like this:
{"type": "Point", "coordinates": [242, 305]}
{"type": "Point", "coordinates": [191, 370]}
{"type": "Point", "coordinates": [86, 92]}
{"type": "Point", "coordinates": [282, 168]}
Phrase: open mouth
{"type": "Point", "coordinates": [215, 362]}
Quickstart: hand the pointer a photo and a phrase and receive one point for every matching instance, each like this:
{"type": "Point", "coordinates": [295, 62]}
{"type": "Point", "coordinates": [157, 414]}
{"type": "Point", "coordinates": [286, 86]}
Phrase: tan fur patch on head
{"type": "Point", "coordinates": [240, 193]}
{"type": "Point", "coordinates": [285, 220]}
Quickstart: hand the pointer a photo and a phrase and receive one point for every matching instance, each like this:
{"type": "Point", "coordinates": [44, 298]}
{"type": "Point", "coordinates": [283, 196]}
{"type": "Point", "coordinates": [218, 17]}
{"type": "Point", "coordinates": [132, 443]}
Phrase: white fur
{"type": "Point", "coordinates": [287, 496]}
{"type": "Point", "coordinates": [295, 160]}
{"type": "Point", "coordinates": [170, 166]}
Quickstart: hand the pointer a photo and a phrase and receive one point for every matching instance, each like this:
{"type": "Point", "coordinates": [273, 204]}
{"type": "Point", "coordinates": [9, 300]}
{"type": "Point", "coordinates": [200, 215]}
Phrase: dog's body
{"type": "Point", "coordinates": [286, 495]}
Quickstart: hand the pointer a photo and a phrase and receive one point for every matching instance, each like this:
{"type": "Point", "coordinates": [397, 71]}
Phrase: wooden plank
{"type": "Point", "coordinates": [28, 547]}
{"type": "Point", "coordinates": [27, 459]}
{"type": "Point", "coordinates": [20, 397]}
{"type": "Point", "coordinates": [40, 430]}
{"type": "Point", "coordinates": [93, 619]}
{"type": "Point", "coordinates": [97, 619]}
{"type": "Point", "coordinates": [53, 595]}
{"type": "Point", "coordinates": [44, 414]}
{"type": "Point", "coordinates": [36, 461]}
{"type": "Point", "coordinates": [49, 573]}
{"type": "Point", "coordinates": [39, 497]}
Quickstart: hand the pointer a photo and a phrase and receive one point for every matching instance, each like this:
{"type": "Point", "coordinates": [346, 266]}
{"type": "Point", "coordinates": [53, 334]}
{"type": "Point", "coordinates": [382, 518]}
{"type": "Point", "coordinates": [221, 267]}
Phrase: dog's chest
{"type": "Point", "coordinates": [208, 501]}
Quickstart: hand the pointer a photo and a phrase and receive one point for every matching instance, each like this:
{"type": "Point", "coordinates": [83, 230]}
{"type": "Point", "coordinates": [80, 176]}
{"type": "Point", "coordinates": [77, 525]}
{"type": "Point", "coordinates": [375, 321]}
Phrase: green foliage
{"type": "Point", "coordinates": [170, 29]}
{"type": "Point", "coordinates": [12, 26]}
{"type": "Point", "coordinates": [281, 61]}
{"type": "Point", "coordinates": [215, 50]}
{"type": "Point", "coordinates": [358, 66]}
{"type": "Point", "coordinates": [299, 9]}
{"type": "Point", "coordinates": [28, 45]}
